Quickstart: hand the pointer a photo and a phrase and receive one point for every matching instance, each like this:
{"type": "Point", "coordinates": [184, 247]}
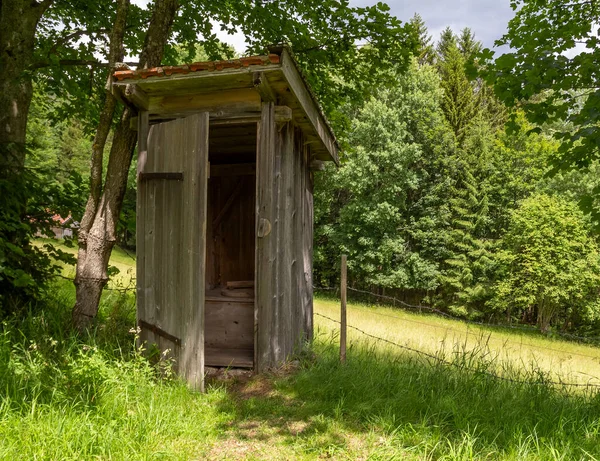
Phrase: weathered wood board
{"type": "Point", "coordinates": [171, 226]}
{"type": "Point", "coordinates": [284, 220]}
{"type": "Point", "coordinates": [229, 331]}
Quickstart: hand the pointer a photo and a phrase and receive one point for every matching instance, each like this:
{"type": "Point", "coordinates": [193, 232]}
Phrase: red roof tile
{"type": "Point", "coordinates": [197, 67]}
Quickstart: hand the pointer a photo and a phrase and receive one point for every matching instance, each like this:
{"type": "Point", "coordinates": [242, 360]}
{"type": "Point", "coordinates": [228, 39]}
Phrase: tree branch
{"type": "Point", "coordinates": [116, 53]}
{"type": "Point", "coordinates": [77, 62]}
{"type": "Point", "coordinates": [76, 34]}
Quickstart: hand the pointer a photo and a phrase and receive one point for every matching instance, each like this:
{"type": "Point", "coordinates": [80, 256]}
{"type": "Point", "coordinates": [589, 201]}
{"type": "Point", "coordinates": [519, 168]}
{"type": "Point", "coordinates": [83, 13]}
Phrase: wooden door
{"type": "Point", "coordinates": [171, 240]}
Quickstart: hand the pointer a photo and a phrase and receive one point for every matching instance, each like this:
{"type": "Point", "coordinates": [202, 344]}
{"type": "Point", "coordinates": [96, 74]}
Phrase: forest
{"type": "Point", "coordinates": [451, 198]}
{"type": "Point", "coordinates": [466, 183]}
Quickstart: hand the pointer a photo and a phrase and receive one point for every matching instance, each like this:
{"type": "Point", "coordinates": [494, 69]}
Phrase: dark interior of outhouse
{"type": "Point", "coordinates": [230, 246]}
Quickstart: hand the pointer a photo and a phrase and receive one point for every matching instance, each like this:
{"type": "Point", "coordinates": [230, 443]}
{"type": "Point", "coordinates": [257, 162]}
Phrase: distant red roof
{"type": "Point", "coordinates": [197, 67]}
{"type": "Point", "coordinates": [60, 220]}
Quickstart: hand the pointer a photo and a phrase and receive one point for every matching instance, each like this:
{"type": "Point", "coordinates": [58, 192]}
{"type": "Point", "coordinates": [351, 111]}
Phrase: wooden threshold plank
{"type": "Point", "coordinates": [241, 358]}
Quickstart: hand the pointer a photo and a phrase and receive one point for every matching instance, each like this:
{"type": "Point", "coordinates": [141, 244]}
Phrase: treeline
{"type": "Point", "coordinates": [437, 202]}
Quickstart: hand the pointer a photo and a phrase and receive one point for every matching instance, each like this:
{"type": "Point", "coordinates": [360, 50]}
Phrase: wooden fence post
{"type": "Point", "coordinates": [344, 282]}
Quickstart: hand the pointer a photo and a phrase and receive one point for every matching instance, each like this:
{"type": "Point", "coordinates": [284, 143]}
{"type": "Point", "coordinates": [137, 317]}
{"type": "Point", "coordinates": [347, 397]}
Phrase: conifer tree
{"type": "Point", "coordinates": [460, 102]}
{"type": "Point", "coordinates": [467, 44]}
{"type": "Point", "coordinates": [425, 51]}
{"type": "Point", "coordinates": [469, 268]}
{"type": "Point", "coordinates": [446, 42]}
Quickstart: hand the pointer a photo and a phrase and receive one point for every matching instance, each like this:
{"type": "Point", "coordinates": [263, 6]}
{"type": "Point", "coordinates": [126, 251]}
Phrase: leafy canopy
{"type": "Point", "coordinates": [553, 267]}
{"type": "Point", "coordinates": [552, 73]}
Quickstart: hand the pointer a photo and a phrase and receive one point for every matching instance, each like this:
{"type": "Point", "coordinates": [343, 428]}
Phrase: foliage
{"type": "Point", "coordinates": [59, 148]}
{"type": "Point", "coordinates": [428, 186]}
{"type": "Point", "coordinates": [25, 268]}
{"type": "Point", "coordinates": [460, 102]}
{"type": "Point", "coordinates": [469, 267]}
{"type": "Point", "coordinates": [425, 51]}
{"type": "Point", "coordinates": [550, 72]}
{"type": "Point", "coordinates": [385, 199]}
{"type": "Point", "coordinates": [91, 397]}
{"type": "Point", "coordinates": [323, 35]}
{"type": "Point", "coordinates": [552, 265]}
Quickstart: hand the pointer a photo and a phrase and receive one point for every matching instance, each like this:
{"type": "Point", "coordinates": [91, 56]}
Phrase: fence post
{"type": "Point", "coordinates": [343, 284]}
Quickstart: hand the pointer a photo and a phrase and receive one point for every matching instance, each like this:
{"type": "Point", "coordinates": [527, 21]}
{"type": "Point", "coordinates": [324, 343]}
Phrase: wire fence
{"type": "Point", "coordinates": [419, 307]}
{"type": "Point", "coordinates": [131, 287]}
{"type": "Point", "coordinates": [441, 360]}
{"type": "Point", "coordinates": [117, 286]}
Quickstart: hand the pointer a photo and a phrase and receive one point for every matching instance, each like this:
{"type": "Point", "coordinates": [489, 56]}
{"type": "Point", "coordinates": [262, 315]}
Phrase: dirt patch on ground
{"type": "Point", "coordinates": [259, 387]}
{"type": "Point", "coordinates": [246, 384]}
{"type": "Point", "coordinates": [236, 449]}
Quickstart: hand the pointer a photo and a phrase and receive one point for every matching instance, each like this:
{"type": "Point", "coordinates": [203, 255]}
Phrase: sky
{"type": "Point", "coordinates": [488, 19]}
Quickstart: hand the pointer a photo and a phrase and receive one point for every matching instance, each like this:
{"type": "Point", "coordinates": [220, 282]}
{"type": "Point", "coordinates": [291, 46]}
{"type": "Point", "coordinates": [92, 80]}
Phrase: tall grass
{"type": "Point", "coordinates": [433, 411]}
{"type": "Point", "coordinates": [95, 396]}
{"type": "Point", "coordinates": [65, 396]}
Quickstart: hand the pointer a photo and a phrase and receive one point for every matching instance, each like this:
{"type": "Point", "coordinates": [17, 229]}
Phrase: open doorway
{"type": "Point", "coordinates": [230, 247]}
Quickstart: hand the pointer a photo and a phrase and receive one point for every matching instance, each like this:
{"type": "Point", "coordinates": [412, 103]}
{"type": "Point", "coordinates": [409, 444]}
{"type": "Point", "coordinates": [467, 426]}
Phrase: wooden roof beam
{"type": "Point", "coordinates": [136, 96]}
{"type": "Point", "coordinates": [309, 105]}
{"type": "Point", "coordinates": [259, 79]}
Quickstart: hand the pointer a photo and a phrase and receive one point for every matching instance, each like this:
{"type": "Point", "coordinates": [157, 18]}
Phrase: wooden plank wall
{"type": "Point", "coordinates": [230, 245]}
{"type": "Point", "coordinates": [171, 224]}
{"type": "Point", "coordinates": [283, 255]}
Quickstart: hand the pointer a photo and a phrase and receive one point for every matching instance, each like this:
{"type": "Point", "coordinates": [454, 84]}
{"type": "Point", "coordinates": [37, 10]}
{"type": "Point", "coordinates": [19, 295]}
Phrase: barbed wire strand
{"type": "Point", "coordinates": [453, 364]}
{"type": "Point", "coordinates": [125, 289]}
{"type": "Point", "coordinates": [472, 333]}
{"type": "Point", "coordinates": [587, 339]}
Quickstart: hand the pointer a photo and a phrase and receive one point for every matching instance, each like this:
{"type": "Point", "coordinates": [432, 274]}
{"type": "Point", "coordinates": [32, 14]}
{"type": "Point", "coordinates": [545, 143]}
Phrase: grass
{"type": "Point", "coordinates": [96, 397]}
{"type": "Point", "coordinates": [122, 263]}
{"type": "Point", "coordinates": [528, 351]}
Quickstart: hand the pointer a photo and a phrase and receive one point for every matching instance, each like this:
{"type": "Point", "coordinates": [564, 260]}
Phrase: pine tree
{"type": "Point", "coordinates": [468, 270]}
{"type": "Point", "coordinates": [467, 44]}
{"type": "Point", "coordinates": [460, 103]}
{"type": "Point", "coordinates": [425, 51]}
{"type": "Point", "coordinates": [446, 42]}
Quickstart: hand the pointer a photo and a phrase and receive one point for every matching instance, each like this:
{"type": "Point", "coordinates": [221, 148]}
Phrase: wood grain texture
{"type": "Point", "coordinates": [143, 127]}
{"type": "Point", "coordinates": [343, 327]}
{"type": "Point", "coordinates": [307, 246]}
{"type": "Point", "coordinates": [265, 302]}
{"type": "Point", "coordinates": [284, 259]}
{"type": "Point", "coordinates": [310, 107]}
{"type": "Point", "coordinates": [229, 323]}
{"type": "Point", "coordinates": [172, 230]}
{"type": "Point", "coordinates": [220, 357]}
{"type": "Point", "coordinates": [223, 102]}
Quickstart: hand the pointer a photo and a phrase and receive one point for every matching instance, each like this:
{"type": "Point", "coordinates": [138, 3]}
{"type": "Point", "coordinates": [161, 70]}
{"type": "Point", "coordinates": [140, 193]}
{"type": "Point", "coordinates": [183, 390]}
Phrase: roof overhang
{"type": "Point", "coordinates": [229, 91]}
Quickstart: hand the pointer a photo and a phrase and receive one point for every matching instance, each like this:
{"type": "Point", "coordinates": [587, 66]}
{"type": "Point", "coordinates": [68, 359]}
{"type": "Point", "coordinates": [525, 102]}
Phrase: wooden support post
{"type": "Point", "coordinates": [344, 282]}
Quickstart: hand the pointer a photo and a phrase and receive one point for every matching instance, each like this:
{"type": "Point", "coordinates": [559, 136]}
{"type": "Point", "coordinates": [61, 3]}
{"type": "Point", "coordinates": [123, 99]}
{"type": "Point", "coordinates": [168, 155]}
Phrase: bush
{"type": "Point", "coordinates": [29, 201]}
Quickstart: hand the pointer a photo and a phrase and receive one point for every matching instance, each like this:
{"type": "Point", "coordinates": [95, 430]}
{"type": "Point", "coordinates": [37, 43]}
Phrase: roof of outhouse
{"type": "Point", "coordinates": [231, 88]}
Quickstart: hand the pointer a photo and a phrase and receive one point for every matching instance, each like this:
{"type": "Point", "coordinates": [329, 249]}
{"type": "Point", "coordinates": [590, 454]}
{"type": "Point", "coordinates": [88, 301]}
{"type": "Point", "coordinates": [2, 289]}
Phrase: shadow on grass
{"type": "Point", "coordinates": [401, 406]}
{"type": "Point", "coordinates": [376, 405]}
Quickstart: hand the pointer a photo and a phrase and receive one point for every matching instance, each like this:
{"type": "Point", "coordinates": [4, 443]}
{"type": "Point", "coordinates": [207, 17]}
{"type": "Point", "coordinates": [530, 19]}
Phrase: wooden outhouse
{"type": "Point", "coordinates": [226, 151]}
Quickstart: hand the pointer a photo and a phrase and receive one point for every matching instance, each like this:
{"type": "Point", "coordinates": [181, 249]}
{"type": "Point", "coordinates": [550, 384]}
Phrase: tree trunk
{"type": "Point", "coordinates": [545, 314]}
{"type": "Point", "coordinates": [90, 278]}
{"type": "Point", "coordinates": [18, 23]}
{"type": "Point", "coordinates": [98, 236]}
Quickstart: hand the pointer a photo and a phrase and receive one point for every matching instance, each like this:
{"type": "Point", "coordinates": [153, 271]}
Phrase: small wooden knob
{"type": "Point", "coordinates": [264, 227]}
